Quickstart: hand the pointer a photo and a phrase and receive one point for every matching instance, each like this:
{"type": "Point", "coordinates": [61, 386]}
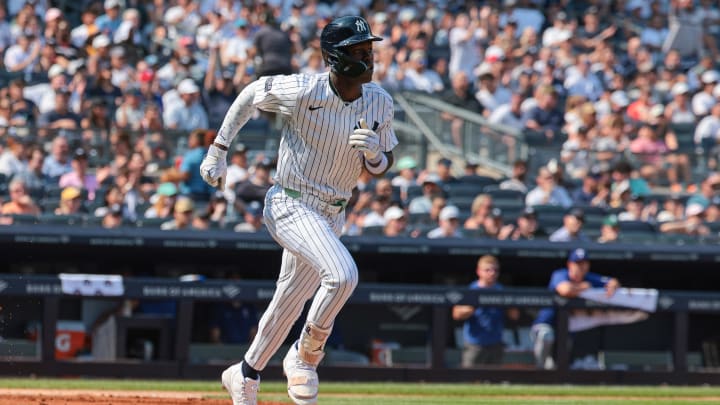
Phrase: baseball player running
{"type": "Point", "coordinates": [335, 124]}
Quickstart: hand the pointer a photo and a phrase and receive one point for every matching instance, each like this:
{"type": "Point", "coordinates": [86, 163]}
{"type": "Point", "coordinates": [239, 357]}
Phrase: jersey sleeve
{"type": "Point", "coordinates": [596, 280]}
{"type": "Point", "coordinates": [388, 139]}
{"type": "Point", "coordinates": [278, 94]}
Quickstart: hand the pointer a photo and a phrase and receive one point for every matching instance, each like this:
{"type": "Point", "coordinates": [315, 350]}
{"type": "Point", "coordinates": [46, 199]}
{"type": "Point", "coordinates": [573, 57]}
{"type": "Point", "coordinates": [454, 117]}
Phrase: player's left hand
{"type": "Point", "coordinates": [366, 140]}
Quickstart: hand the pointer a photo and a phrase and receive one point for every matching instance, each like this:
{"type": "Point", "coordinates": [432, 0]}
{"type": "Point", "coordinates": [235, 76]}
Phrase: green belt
{"type": "Point", "coordinates": [296, 194]}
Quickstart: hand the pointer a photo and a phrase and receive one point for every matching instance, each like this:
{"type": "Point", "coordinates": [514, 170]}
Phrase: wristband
{"type": "Point", "coordinates": [378, 166]}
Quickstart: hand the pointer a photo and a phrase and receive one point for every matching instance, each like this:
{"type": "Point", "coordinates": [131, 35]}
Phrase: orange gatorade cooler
{"type": "Point", "coordinates": [69, 339]}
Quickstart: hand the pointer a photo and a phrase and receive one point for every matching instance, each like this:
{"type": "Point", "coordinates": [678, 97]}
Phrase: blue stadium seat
{"type": "Point", "coordinates": [151, 222]}
{"type": "Point", "coordinates": [21, 219]}
{"type": "Point", "coordinates": [52, 219]}
{"type": "Point", "coordinates": [462, 190]}
{"type": "Point", "coordinates": [376, 230]}
{"type": "Point", "coordinates": [627, 227]}
{"type": "Point", "coordinates": [477, 180]}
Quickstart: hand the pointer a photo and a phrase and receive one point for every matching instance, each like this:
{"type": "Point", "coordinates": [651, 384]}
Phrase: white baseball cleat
{"type": "Point", "coordinates": [243, 390]}
{"type": "Point", "coordinates": [302, 378]}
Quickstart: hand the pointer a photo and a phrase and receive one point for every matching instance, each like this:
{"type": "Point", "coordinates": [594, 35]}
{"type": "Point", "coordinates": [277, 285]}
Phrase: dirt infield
{"type": "Point", "coordinates": [84, 397]}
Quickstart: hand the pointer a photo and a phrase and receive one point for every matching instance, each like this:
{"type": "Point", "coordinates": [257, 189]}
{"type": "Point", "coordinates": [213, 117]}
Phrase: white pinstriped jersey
{"type": "Point", "coordinates": [314, 155]}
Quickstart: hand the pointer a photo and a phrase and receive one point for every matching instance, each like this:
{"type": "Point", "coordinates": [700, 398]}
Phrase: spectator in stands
{"type": "Point", "coordinates": [418, 77]}
{"type": "Point", "coordinates": [526, 226]}
{"type": "Point", "coordinates": [23, 55]}
{"type": "Point", "coordinates": [191, 183]}
{"type": "Point", "coordinates": [187, 114]}
{"type": "Point", "coordinates": [490, 93]}
{"type": "Point", "coordinates": [375, 216]}
{"type": "Point", "coordinates": [273, 47]}
{"type": "Point", "coordinates": [255, 187]}
{"type": "Point", "coordinates": [494, 226]}
{"type": "Point", "coordinates": [582, 81]}
{"type": "Point", "coordinates": [23, 110]}
{"type": "Point", "coordinates": [692, 224]}
{"type": "Point", "coordinates": [704, 100]}
{"type": "Point", "coordinates": [113, 217]}
{"type": "Point", "coordinates": [102, 86]}
{"type": "Point", "coordinates": [237, 170]}
{"type": "Point", "coordinates": [182, 215]}
{"type": "Point", "coordinates": [406, 176]}
{"type": "Point", "coordinates": [610, 230]}
{"type": "Point", "coordinates": [547, 192]}
{"type": "Point", "coordinates": [253, 218]}
{"type": "Point", "coordinates": [444, 171]}
{"type": "Point", "coordinates": [712, 212]}
{"type": "Point", "coordinates": [509, 114]}
{"type": "Point", "coordinates": [71, 202]}
{"type": "Point", "coordinates": [97, 116]}
{"type": "Point", "coordinates": [164, 201]}
{"type": "Point", "coordinates": [517, 179]}
{"type": "Point", "coordinates": [20, 201]}
{"type": "Point", "coordinates": [622, 174]}
{"type": "Point", "coordinates": [571, 231]}
{"type": "Point", "coordinates": [707, 135]}
{"type": "Point", "coordinates": [482, 325]}
{"type": "Point", "coordinates": [233, 322]}
{"type": "Point", "coordinates": [449, 224]}
{"type": "Point", "coordinates": [589, 193]}
{"type": "Point", "coordinates": [396, 223]}
{"type": "Point", "coordinates": [649, 149]}
{"type": "Point", "coordinates": [79, 176]}
{"type": "Point", "coordinates": [464, 40]}
{"type": "Point", "coordinates": [672, 209]}
{"type": "Point", "coordinates": [460, 95]}
{"type": "Point", "coordinates": [109, 22]}
{"type": "Point", "coordinates": [32, 174]}
{"type": "Point", "coordinates": [60, 117]}
{"type": "Point", "coordinates": [14, 159]}
{"type": "Point", "coordinates": [57, 162]}
{"type": "Point", "coordinates": [131, 112]}
{"type": "Point", "coordinates": [430, 188]}
{"type": "Point", "coordinates": [636, 210]}
{"type": "Point", "coordinates": [480, 210]}
{"type": "Point", "coordinates": [568, 282]}
{"type": "Point", "coordinates": [545, 118]}
{"type": "Point", "coordinates": [113, 197]}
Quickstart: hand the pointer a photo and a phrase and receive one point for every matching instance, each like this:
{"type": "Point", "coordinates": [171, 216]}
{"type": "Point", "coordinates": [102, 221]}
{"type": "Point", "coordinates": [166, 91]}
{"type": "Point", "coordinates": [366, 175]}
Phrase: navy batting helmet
{"type": "Point", "coordinates": [341, 33]}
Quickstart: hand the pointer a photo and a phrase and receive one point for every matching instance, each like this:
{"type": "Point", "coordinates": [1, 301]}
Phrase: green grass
{"type": "Point", "coordinates": [412, 393]}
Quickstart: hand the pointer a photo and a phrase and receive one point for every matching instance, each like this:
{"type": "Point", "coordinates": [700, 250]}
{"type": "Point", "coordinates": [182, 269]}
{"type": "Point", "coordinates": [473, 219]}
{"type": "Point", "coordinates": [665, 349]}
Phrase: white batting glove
{"type": "Point", "coordinates": [213, 168]}
{"type": "Point", "coordinates": [366, 140]}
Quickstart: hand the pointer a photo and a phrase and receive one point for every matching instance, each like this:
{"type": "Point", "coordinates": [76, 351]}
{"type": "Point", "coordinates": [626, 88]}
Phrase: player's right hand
{"type": "Point", "coordinates": [213, 168]}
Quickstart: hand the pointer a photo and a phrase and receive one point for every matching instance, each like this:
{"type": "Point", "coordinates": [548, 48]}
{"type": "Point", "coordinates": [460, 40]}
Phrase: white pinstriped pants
{"type": "Point", "coordinates": [313, 256]}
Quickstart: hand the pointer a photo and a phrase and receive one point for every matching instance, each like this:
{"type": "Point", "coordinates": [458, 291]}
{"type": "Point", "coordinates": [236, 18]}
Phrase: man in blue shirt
{"type": "Point", "coordinates": [567, 282]}
{"type": "Point", "coordinates": [483, 327]}
{"type": "Point", "coordinates": [192, 183]}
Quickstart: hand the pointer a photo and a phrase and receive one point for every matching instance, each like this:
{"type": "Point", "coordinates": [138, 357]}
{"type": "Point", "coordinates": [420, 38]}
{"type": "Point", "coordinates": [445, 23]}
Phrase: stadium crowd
{"type": "Point", "coordinates": [106, 112]}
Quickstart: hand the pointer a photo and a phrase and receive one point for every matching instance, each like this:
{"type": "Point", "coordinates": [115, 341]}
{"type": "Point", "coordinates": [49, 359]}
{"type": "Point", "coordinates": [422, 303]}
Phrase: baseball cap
{"type": "Point", "coordinates": [611, 220]}
{"type": "Point", "coordinates": [188, 86]}
{"type": "Point", "coordinates": [619, 98]}
{"type": "Point", "coordinates": [167, 189]}
{"type": "Point", "coordinates": [393, 213]}
{"type": "Point", "coordinates": [70, 193]}
{"type": "Point", "coordinates": [240, 23]}
{"type": "Point", "coordinates": [577, 213]}
{"type": "Point", "coordinates": [528, 212]}
{"type": "Point", "coordinates": [111, 4]}
{"type": "Point", "coordinates": [240, 148]}
{"type": "Point", "coordinates": [80, 154]}
{"type": "Point", "coordinates": [254, 209]}
{"type": "Point", "coordinates": [710, 76]}
{"type": "Point", "coordinates": [184, 204]}
{"type": "Point", "coordinates": [55, 70]}
{"type": "Point", "coordinates": [146, 76]}
{"type": "Point", "coordinates": [449, 212]}
{"type": "Point", "coordinates": [406, 162]}
{"type": "Point", "coordinates": [52, 14]}
{"type": "Point", "coordinates": [445, 162]}
{"type": "Point", "coordinates": [679, 88]}
{"type": "Point", "coordinates": [694, 209]}
{"type": "Point", "coordinates": [496, 213]}
{"type": "Point", "coordinates": [100, 41]}
{"type": "Point", "coordinates": [578, 255]}
{"type": "Point", "coordinates": [432, 178]}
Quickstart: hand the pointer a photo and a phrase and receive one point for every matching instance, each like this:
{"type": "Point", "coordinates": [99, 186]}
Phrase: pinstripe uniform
{"type": "Point", "coordinates": [317, 170]}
